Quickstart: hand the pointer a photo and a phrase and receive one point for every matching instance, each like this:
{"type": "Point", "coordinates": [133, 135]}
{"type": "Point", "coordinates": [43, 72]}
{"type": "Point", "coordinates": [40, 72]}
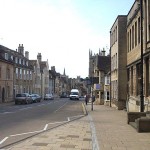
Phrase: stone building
{"type": "Point", "coordinates": [99, 66]}
{"type": "Point", "coordinates": [23, 76]}
{"type": "Point", "coordinates": [6, 75]}
{"type": "Point", "coordinates": [134, 40]}
{"type": "Point", "coordinates": [16, 76]}
{"type": "Point", "coordinates": [40, 76]}
{"type": "Point", "coordinates": [118, 52]}
{"type": "Point", "coordinates": [52, 78]}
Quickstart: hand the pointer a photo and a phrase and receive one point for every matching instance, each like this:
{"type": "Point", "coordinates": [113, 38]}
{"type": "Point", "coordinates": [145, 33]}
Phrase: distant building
{"type": "Point", "coordinates": [99, 66]}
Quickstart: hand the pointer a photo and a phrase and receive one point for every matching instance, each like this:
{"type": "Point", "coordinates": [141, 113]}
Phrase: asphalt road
{"type": "Point", "coordinates": [18, 122]}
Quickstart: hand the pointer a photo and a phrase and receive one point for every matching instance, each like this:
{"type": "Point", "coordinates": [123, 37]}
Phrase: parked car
{"type": "Point", "coordinates": [23, 98]}
{"type": "Point", "coordinates": [36, 98]}
{"type": "Point", "coordinates": [48, 97]}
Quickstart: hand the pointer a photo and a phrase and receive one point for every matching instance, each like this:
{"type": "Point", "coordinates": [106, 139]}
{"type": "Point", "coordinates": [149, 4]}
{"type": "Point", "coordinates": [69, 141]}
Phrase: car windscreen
{"type": "Point", "coordinates": [21, 95]}
{"type": "Point", "coordinates": [74, 93]}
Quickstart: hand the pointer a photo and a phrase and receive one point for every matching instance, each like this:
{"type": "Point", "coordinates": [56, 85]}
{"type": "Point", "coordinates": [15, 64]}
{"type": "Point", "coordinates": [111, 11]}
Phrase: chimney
{"type": "Point", "coordinates": [21, 49]}
{"type": "Point", "coordinates": [103, 52]}
{"type": "Point", "coordinates": [39, 57]}
{"type": "Point", "coordinates": [53, 68]}
{"type": "Point", "coordinates": [27, 54]}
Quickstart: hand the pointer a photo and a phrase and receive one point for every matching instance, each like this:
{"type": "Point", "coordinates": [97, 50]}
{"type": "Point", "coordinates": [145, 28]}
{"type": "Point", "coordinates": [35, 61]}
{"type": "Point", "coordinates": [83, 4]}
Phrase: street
{"type": "Point", "coordinates": [21, 121]}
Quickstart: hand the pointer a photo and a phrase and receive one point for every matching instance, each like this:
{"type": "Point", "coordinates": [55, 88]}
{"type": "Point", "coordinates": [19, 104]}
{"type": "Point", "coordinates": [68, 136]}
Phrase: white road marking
{"type": "Point", "coordinates": [2, 141]}
{"type": "Point", "coordinates": [8, 112]}
{"type": "Point", "coordinates": [45, 127]}
{"type": "Point", "coordinates": [26, 133]}
{"type": "Point", "coordinates": [76, 116]}
{"type": "Point", "coordinates": [25, 108]}
{"type": "Point", "coordinates": [58, 122]}
{"type": "Point", "coordinates": [60, 107]}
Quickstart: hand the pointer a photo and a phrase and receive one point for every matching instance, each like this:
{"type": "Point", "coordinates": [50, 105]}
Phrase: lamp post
{"type": "Point", "coordinates": [92, 86]}
{"type": "Point", "coordinates": [92, 96]}
{"type": "Point", "coordinates": [141, 89]}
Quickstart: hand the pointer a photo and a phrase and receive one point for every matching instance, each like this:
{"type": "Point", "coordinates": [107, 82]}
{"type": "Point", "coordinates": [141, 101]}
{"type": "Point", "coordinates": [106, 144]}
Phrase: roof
{"type": "Point", "coordinates": [104, 63]}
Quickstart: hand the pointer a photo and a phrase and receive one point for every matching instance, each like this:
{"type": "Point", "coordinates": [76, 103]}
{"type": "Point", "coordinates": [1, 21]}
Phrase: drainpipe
{"type": "Point", "coordinates": [110, 71]}
{"type": "Point", "coordinates": [141, 90]}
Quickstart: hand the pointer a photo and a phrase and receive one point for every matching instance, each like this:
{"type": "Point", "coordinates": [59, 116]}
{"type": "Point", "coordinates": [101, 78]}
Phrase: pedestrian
{"type": "Point", "coordinates": [86, 99]}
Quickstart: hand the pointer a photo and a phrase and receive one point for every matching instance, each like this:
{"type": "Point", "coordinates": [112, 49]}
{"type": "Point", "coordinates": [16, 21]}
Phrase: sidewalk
{"type": "Point", "coordinates": [104, 128]}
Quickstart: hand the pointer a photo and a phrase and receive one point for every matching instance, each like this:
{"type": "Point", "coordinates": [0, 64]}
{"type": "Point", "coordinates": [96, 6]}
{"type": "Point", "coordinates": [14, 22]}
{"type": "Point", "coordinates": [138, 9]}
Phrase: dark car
{"type": "Point", "coordinates": [23, 98]}
{"type": "Point", "coordinates": [36, 98]}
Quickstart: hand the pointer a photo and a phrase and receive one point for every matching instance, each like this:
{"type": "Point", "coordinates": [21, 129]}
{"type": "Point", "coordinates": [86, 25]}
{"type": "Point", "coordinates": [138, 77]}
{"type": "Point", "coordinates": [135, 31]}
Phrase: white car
{"type": "Point", "coordinates": [48, 97]}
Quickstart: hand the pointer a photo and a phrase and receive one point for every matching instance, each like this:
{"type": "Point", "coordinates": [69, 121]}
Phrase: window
{"type": "Point", "coordinates": [27, 75]}
{"type": "Point", "coordinates": [6, 56]}
{"type": "Point", "coordinates": [135, 33]}
{"type": "Point", "coordinates": [16, 72]}
{"type": "Point", "coordinates": [16, 60]}
{"type": "Point", "coordinates": [30, 75]}
{"type": "Point", "coordinates": [147, 77]}
{"type": "Point", "coordinates": [116, 33]}
{"type": "Point", "coordinates": [107, 95]}
{"type": "Point", "coordinates": [23, 62]}
{"type": "Point", "coordinates": [139, 30]}
{"type": "Point", "coordinates": [148, 14]}
{"type": "Point", "coordinates": [12, 57]}
{"type": "Point", "coordinates": [20, 73]}
{"type": "Point", "coordinates": [138, 78]}
{"type": "Point", "coordinates": [107, 80]}
{"type": "Point", "coordinates": [0, 71]}
{"type": "Point", "coordinates": [27, 63]}
{"type": "Point", "coordinates": [132, 37]}
{"type": "Point", "coordinates": [24, 74]}
{"type": "Point", "coordinates": [128, 42]}
{"type": "Point", "coordinates": [19, 60]}
{"type": "Point", "coordinates": [8, 73]}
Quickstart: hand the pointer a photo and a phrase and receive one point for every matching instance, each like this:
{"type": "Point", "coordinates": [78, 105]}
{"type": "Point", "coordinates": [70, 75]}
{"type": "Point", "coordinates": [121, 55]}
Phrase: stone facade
{"type": "Point", "coordinates": [118, 62]}
{"type": "Point", "coordinates": [134, 55]}
{"type": "Point", "coordinates": [16, 73]}
{"type": "Point", "coordinates": [6, 78]}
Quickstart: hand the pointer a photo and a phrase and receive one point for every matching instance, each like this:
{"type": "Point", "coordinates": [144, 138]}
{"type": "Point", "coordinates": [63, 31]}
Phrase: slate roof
{"type": "Point", "coordinates": [104, 63]}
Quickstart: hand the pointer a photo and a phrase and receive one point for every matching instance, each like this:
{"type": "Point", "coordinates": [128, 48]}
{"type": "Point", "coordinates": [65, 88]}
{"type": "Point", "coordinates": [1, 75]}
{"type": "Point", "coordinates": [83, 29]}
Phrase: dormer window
{"type": "Point", "coordinates": [6, 56]}
{"type": "Point", "coordinates": [20, 61]}
{"type": "Point", "coordinates": [16, 60]}
{"type": "Point", "coordinates": [23, 62]}
{"type": "Point", "coordinates": [27, 63]}
{"type": "Point", "coordinates": [11, 57]}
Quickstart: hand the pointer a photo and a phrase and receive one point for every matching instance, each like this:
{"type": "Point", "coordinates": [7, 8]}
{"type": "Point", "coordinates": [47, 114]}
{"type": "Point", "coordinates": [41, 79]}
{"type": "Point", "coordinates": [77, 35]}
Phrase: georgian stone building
{"type": "Point", "coordinates": [6, 75]}
{"type": "Point", "coordinates": [23, 76]}
{"type": "Point", "coordinates": [16, 73]}
{"type": "Point", "coordinates": [134, 39]}
{"type": "Point", "coordinates": [118, 54]}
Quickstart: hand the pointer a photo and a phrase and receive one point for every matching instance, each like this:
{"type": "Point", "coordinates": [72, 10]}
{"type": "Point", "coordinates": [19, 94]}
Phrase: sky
{"type": "Point", "coordinates": [63, 31]}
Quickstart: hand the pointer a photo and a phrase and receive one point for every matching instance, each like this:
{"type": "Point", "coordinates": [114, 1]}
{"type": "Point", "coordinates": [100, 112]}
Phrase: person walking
{"type": "Point", "coordinates": [86, 98]}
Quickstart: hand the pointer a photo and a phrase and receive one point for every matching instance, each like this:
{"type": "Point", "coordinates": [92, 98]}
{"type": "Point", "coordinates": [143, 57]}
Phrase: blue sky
{"type": "Point", "coordinates": [63, 31]}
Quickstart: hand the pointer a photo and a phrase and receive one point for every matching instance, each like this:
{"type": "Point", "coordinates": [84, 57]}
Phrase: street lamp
{"type": "Point", "coordinates": [92, 86]}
